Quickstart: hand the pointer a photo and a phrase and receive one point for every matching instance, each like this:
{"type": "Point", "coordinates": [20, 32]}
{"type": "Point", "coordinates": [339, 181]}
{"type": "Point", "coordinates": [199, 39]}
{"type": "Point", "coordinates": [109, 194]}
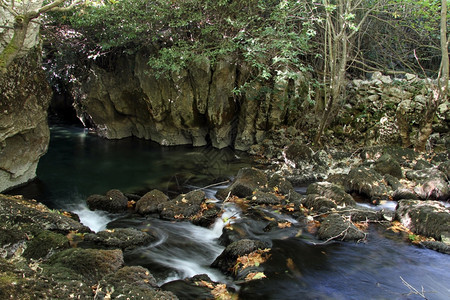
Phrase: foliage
{"type": "Point", "coordinates": [269, 36]}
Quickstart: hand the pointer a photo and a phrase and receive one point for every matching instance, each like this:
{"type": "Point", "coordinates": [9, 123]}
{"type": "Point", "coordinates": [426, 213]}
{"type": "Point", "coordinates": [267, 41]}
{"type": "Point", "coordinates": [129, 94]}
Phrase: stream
{"type": "Point", "coordinates": [79, 164]}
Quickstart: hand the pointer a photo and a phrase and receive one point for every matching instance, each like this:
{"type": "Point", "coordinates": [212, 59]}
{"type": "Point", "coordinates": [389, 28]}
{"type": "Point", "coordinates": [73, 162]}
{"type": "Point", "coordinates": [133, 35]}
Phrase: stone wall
{"type": "Point", "coordinates": [24, 134]}
{"type": "Point", "coordinates": [380, 109]}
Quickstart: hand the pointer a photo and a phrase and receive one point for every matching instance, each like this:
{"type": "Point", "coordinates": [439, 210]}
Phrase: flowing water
{"type": "Point", "coordinates": [79, 164]}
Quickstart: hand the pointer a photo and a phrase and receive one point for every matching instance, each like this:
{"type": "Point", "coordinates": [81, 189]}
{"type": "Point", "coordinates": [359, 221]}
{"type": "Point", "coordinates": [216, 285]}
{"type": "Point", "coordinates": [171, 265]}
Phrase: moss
{"type": "Point", "coordinates": [45, 243]}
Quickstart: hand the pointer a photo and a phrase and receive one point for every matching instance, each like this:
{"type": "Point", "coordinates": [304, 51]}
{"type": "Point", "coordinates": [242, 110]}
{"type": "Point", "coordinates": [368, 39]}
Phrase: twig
{"type": "Point", "coordinates": [413, 290]}
{"type": "Point", "coordinates": [214, 184]}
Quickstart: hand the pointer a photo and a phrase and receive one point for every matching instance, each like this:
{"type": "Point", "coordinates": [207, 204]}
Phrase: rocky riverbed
{"type": "Point", "coordinates": [50, 254]}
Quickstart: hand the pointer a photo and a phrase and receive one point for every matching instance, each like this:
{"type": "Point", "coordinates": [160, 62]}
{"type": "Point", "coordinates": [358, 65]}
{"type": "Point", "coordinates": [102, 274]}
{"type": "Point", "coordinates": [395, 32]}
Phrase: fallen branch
{"type": "Point", "coordinates": [413, 290]}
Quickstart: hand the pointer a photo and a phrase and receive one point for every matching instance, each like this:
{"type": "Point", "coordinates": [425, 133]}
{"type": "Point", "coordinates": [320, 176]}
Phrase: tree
{"type": "Point", "coordinates": [339, 26]}
{"type": "Point", "coordinates": [440, 88]}
{"type": "Point", "coordinates": [19, 16]}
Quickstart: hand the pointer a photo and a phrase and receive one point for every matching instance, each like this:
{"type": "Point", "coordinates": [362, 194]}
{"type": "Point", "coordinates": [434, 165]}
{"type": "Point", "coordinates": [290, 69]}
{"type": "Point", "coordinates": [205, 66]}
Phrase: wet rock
{"type": "Point", "coordinates": [427, 218]}
{"type": "Point", "coordinates": [437, 246]}
{"type": "Point", "coordinates": [337, 227]}
{"type": "Point", "coordinates": [149, 202]}
{"type": "Point", "coordinates": [233, 233]}
{"type": "Point", "coordinates": [86, 265]}
{"type": "Point", "coordinates": [227, 259]}
{"type": "Point", "coordinates": [183, 206]}
{"type": "Point", "coordinates": [392, 181]}
{"type": "Point", "coordinates": [207, 216]}
{"type": "Point", "coordinates": [114, 201]}
{"type": "Point", "coordinates": [191, 288]}
{"type": "Point", "coordinates": [331, 191]}
{"type": "Point", "coordinates": [388, 165]}
{"type": "Point", "coordinates": [367, 182]}
{"type": "Point", "coordinates": [134, 282]}
{"type": "Point", "coordinates": [264, 198]}
{"type": "Point", "coordinates": [246, 181]}
{"type": "Point", "coordinates": [123, 238]}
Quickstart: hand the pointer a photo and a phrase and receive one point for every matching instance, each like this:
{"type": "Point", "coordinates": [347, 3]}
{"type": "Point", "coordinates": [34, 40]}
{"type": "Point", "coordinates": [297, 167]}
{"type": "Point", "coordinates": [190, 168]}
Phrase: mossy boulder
{"type": "Point", "coordinates": [132, 282]}
{"type": "Point", "coordinates": [183, 206]}
{"type": "Point", "coordinates": [45, 244]}
{"type": "Point", "coordinates": [149, 202]}
{"type": "Point", "coordinates": [122, 238]}
{"type": "Point", "coordinates": [85, 265]}
{"type": "Point", "coordinates": [114, 201]}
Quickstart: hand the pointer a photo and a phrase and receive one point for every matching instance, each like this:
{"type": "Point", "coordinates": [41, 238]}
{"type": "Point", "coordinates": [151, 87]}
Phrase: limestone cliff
{"type": "Point", "coordinates": [194, 106]}
{"type": "Point", "coordinates": [24, 133]}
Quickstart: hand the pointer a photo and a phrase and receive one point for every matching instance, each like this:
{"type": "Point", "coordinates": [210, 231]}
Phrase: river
{"type": "Point", "coordinates": [79, 164]}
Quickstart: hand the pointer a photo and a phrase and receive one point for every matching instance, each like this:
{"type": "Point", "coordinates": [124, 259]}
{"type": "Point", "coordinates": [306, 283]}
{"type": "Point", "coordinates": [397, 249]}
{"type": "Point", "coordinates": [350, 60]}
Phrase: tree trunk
{"type": "Point", "coordinates": [440, 91]}
{"type": "Point", "coordinates": [15, 45]}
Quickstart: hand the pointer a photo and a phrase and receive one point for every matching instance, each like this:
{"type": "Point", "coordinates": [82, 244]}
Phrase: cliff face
{"type": "Point", "coordinates": [24, 133]}
{"type": "Point", "coordinates": [193, 106]}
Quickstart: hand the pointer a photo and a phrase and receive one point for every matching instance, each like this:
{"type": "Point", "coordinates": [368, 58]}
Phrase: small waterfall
{"type": "Point", "coordinates": [95, 220]}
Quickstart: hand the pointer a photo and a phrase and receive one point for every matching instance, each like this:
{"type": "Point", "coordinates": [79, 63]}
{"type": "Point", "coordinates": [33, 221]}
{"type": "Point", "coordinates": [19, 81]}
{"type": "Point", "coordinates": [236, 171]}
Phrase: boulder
{"type": "Point", "coordinates": [227, 259]}
{"type": "Point", "coordinates": [114, 201]}
{"type": "Point", "coordinates": [444, 167]}
{"type": "Point", "coordinates": [299, 154]}
{"type": "Point", "coordinates": [338, 227]}
{"type": "Point", "coordinates": [197, 287]}
{"type": "Point", "coordinates": [246, 181]}
{"type": "Point", "coordinates": [132, 282]}
{"type": "Point", "coordinates": [331, 191]}
{"type": "Point", "coordinates": [427, 218]}
{"type": "Point", "coordinates": [182, 207]}
{"type": "Point", "coordinates": [264, 198]}
{"type": "Point", "coordinates": [149, 202]}
{"type": "Point", "coordinates": [318, 203]}
{"type": "Point", "coordinates": [123, 238]}
{"type": "Point", "coordinates": [432, 183]}
{"type": "Point", "coordinates": [388, 165]}
{"type": "Point", "coordinates": [86, 265]}
{"type": "Point", "coordinates": [45, 244]}
{"type": "Point", "coordinates": [367, 182]}
{"type": "Point", "coordinates": [279, 184]}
